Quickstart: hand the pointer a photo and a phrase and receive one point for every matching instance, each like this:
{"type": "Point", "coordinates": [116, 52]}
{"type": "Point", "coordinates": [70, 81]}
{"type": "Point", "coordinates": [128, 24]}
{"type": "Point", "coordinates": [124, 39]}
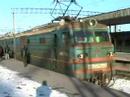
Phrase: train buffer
{"type": "Point", "coordinates": [122, 56]}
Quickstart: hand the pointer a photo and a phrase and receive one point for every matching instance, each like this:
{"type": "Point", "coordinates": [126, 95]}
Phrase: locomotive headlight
{"type": "Point", "coordinates": [92, 22]}
{"type": "Point", "coordinates": [81, 56]}
{"type": "Point", "coordinates": [110, 53]}
{"type": "Point", "coordinates": [62, 22]}
{"type": "Point", "coordinates": [81, 20]}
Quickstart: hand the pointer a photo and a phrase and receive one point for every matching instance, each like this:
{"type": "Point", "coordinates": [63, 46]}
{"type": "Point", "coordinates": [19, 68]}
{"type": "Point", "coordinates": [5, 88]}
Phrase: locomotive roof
{"type": "Point", "coordinates": [48, 28]}
{"type": "Point", "coordinates": [36, 30]}
{"type": "Point", "coordinates": [41, 29]}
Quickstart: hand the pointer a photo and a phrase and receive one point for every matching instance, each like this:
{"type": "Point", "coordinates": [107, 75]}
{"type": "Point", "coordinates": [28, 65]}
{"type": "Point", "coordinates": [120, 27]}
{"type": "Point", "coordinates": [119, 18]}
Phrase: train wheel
{"type": "Point", "coordinates": [103, 79]}
{"type": "Point", "coordinates": [106, 78]}
{"type": "Point", "coordinates": [96, 82]}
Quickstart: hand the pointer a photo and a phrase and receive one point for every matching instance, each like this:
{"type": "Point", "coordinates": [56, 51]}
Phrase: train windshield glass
{"type": "Point", "coordinates": [84, 37]}
{"type": "Point", "coordinates": [101, 36]}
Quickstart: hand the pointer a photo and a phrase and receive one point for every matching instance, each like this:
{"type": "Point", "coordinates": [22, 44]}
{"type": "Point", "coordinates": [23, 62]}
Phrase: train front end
{"type": "Point", "coordinates": [91, 53]}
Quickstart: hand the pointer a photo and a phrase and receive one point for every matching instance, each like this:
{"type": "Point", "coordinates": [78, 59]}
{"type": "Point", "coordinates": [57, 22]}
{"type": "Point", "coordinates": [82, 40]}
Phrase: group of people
{"type": "Point", "coordinates": [5, 52]}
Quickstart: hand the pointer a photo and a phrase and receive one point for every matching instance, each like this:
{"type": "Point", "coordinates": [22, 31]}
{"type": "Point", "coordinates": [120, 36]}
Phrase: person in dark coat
{"type": "Point", "coordinates": [1, 52]}
{"type": "Point", "coordinates": [26, 55]}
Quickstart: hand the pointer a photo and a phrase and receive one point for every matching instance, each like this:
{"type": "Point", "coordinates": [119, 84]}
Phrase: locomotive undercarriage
{"type": "Point", "coordinates": [100, 78]}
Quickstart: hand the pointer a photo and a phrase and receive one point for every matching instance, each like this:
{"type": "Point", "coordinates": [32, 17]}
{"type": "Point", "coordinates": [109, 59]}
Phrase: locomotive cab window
{"type": "Point", "coordinates": [84, 37]}
{"type": "Point", "coordinates": [101, 36]}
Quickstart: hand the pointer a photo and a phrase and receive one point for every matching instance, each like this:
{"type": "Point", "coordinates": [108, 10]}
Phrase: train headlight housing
{"type": "Point", "coordinates": [81, 56]}
{"type": "Point", "coordinates": [110, 53]}
{"type": "Point", "coordinates": [62, 22]}
{"type": "Point", "coordinates": [92, 22]}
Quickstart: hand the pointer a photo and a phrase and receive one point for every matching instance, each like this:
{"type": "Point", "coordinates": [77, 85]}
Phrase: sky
{"type": "Point", "coordinates": [27, 21]}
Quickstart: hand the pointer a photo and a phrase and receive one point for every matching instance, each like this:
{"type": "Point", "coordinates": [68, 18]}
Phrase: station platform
{"type": "Point", "coordinates": [71, 86]}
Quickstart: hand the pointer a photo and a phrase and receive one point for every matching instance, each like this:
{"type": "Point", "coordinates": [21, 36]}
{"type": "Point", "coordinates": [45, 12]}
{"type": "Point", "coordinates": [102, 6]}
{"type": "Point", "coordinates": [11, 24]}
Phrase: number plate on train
{"type": "Point", "coordinates": [97, 65]}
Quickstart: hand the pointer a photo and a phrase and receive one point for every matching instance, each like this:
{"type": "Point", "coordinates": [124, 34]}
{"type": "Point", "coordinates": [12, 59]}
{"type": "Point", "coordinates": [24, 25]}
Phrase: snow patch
{"type": "Point", "coordinates": [122, 85]}
{"type": "Point", "coordinates": [13, 85]}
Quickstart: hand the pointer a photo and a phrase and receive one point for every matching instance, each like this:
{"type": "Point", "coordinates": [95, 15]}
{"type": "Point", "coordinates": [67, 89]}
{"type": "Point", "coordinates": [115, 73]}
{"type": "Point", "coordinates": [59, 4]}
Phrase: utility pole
{"type": "Point", "coordinates": [13, 33]}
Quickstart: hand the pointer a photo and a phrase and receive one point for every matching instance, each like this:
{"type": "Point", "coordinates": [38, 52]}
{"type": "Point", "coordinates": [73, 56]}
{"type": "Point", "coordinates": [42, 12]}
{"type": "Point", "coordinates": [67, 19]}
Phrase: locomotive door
{"type": "Point", "coordinates": [61, 51]}
{"type": "Point", "coordinates": [23, 41]}
{"type": "Point", "coordinates": [64, 51]}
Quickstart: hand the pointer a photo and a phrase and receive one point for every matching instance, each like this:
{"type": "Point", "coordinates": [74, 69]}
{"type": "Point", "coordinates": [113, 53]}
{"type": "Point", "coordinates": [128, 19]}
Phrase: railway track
{"type": "Point", "coordinates": [122, 69]}
{"type": "Point", "coordinates": [121, 74]}
{"type": "Point", "coordinates": [87, 89]}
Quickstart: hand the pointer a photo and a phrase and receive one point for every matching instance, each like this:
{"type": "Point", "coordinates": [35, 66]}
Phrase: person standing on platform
{"type": "Point", "coordinates": [44, 90]}
{"type": "Point", "coordinates": [26, 55]}
{"type": "Point", "coordinates": [1, 52]}
{"type": "Point", "coordinates": [7, 50]}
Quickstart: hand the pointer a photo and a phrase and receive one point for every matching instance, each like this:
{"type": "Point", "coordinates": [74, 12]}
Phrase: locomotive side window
{"type": "Point", "coordinates": [42, 40]}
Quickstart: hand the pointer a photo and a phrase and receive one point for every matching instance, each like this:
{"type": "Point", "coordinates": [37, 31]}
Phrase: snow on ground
{"type": "Point", "coordinates": [122, 85]}
{"type": "Point", "coordinates": [12, 85]}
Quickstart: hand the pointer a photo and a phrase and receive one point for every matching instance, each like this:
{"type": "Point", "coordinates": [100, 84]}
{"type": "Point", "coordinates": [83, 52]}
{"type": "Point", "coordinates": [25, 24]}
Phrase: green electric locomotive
{"type": "Point", "coordinates": [82, 49]}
